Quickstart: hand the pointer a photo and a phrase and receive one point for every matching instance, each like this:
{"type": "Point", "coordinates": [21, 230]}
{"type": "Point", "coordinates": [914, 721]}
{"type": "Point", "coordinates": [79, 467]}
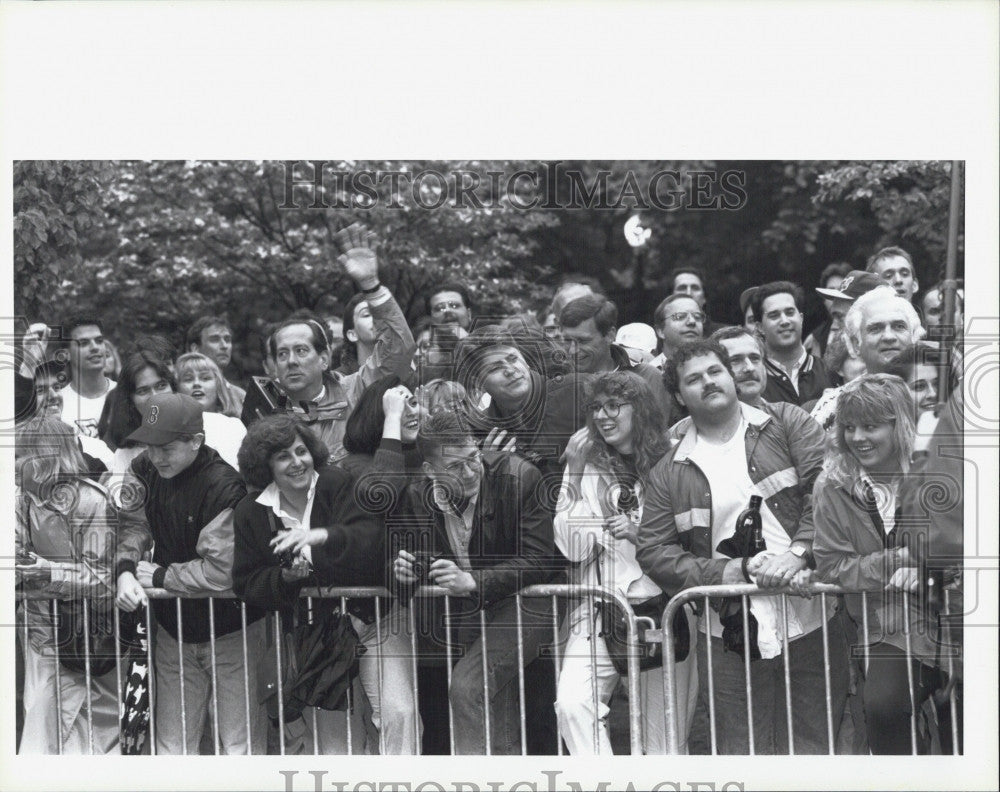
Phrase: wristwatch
{"type": "Point", "coordinates": [800, 552]}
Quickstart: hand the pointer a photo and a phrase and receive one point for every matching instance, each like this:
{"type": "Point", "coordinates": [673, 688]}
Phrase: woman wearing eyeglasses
{"type": "Point", "coordinates": [855, 506]}
{"type": "Point", "coordinates": [595, 526]}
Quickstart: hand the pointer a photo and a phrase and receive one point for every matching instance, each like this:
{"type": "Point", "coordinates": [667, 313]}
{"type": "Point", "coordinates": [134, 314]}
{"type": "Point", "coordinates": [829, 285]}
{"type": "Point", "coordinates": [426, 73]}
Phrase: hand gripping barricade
{"type": "Point", "coordinates": [139, 662]}
{"type": "Point", "coordinates": [703, 595]}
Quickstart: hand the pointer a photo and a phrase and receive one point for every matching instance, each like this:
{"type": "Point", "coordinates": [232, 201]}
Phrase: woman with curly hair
{"type": "Point", "coordinates": [595, 526]}
{"type": "Point", "coordinates": [301, 525]}
{"type": "Point", "coordinates": [65, 542]}
{"type": "Point", "coordinates": [855, 506]}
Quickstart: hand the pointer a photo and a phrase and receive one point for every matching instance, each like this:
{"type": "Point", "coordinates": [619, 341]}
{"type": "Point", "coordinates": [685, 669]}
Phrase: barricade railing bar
{"type": "Point", "coordinates": [550, 592]}
{"type": "Point", "coordinates": [701, 597]}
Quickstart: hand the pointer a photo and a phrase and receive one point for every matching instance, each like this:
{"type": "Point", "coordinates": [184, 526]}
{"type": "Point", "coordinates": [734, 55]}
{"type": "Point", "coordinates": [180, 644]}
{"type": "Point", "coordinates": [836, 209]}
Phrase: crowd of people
{"type": "Point", "coordinates": [477, 456]}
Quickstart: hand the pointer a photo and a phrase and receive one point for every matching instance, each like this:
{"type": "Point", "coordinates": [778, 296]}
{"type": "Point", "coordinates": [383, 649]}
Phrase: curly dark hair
{"type": "Point", "coordinates": [269, 435]}
{"type": "Point", "coordinates": [692, 349]}
{"type": "Point", "coordinates": [649, 424]}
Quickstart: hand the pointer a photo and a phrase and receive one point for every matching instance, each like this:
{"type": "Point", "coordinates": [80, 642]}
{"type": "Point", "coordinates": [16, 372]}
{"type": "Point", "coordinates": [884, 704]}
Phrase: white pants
{"type": "Point", "coordinates": [582, 676]}
{"type": "Point", "coordinates": [45, 715]}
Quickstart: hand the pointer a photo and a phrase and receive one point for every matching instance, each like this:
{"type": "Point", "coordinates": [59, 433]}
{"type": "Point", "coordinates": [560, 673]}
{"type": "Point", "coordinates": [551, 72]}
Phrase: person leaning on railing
{"type": "Point", "coordinates": [596, 524]}
{"type": "Point", "coordinates": [65, 541]}
{"type": "Point", "coordinates": [306, 512]}
{"type": "Point", "coordinates": [855, 505]}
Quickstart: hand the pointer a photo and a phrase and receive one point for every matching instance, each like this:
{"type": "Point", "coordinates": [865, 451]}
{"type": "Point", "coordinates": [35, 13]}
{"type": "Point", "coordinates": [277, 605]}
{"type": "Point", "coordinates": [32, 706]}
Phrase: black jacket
{"type": "Point", "coordinates": [813, 380]}
{"type": "Point", "coordinates": [354, 555]}
{"type": "Point", "coordinates": [511, 545]}
{"type": "Point", "coordinates": [188, 518]}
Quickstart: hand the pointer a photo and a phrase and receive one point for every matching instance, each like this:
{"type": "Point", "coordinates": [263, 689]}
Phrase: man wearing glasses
{"type": "Point", "coordinates": [450, 305]}
{"type": "Point", "coordinates": [793, 375]}
{"type": "Point", "coordinates": [482, 533]}
{"type": "Point", "coordinates": [677, 320]}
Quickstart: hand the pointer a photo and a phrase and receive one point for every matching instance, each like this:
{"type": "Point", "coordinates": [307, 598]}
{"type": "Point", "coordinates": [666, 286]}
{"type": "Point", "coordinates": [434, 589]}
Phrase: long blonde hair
{"type": "Point", "coordinates": [47, 455]}
{"type": "Point", "coordinates": [872, 399]}
{"type": "Point", "coordinates": [195, 361]}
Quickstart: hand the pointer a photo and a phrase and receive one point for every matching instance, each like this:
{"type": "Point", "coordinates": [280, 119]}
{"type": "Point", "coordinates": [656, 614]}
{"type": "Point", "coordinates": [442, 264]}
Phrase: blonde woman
{"type": "Point", "coordinates": [199, 377]}
{"type": "Point", "coordinates": [65, 542]}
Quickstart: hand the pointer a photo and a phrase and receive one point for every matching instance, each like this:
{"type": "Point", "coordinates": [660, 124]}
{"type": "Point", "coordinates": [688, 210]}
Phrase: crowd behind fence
{"type": "Point", "coordinates": [696, 599]}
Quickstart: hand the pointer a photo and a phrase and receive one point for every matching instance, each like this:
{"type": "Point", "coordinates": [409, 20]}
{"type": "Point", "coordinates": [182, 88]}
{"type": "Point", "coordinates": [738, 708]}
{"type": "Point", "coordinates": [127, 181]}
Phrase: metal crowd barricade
{"type": "Point", "coordinates": [552, 593]}
{"type": "Point", "coordinates": [704, 594]}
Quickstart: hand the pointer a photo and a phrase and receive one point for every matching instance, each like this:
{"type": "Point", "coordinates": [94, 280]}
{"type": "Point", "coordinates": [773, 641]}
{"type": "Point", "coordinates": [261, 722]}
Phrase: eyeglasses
{"type": "Point", "coordinates": [442, 307]}
{"type": "Point", "coordinates": [470, 463]}
{"type": "Point", "coordinates": [611, 408]}
{"type": "Point", "coordinates": [682, 316]}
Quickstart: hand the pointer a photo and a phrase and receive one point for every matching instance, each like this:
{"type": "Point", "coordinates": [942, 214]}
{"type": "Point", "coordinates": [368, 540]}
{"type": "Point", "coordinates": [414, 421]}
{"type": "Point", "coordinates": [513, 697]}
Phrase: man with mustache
{"type": "Point", "coordinates": [746, 357]}
{"type": "Point", "coordinates": [726, 452]}
{"type": "Point", "coordinates": [880, 328]}
{"type": "Point", "coordinates": [793, 375]}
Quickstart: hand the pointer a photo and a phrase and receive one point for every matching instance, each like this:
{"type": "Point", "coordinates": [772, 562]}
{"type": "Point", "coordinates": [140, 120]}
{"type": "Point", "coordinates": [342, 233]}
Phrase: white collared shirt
{"type": "Point", "coordinates": [795, 370]}
{"type": "Point", "coordinates": [271, 497]}
{"type": "Point", "coordinates": [458, 526]}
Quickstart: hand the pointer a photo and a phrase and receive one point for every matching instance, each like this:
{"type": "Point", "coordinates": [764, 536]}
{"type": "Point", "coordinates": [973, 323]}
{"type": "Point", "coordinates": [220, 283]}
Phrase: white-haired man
{"type": "Point", "coordinates": [879, 328]}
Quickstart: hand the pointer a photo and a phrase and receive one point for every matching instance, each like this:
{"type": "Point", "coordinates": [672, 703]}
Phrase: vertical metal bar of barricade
{"type": "Point", "coordinates": [246, 673]}
{"type": "Point", "coordinates": [555, 648]}
{"type": "Point", "coordinates": [351, 703]}
{"type": "Point", "coordinates": [381, 670]}
{"type": "Point", "coordinates": [412, 621]}
{"type": "Point", "coordinates": [447, 649]}
{"type": "Point", "coordinates": [711, 681]}
{"type": "Point", "coordinates": [215, 676]}
{"type": "Point", "coordinates": [634, 699]}
{"type": "Point", "coordinates": [315, 725]}
{"type": "Point", "coordinates": [952, 698]}
{"type": "Point", "coordinates": [87, 676]}
{"type": "Point", "coordinates": [745, 600]}
{"type": "Point", "coordinates": [520, 678]}
{"type": "Point", "coordinates": [118, 661]}
{"type": "Point", "coordinates": [180, 663]}
{"type": "Point", "coordinates": [826, 675]}
{"type": "Point", "coordinates": [864, 627]}
{"type": "Point", "coordinates": [592, 618]}
{"type": "Point", "coordinates": [670, 724]}
{"type": "Point", "coordinates": [788, 674]}
{"type": "Point", "coordinates": [280, 692]}
{"type": "Point", "coordinates": [486, 683]}
{"type": "Point", "coordinates": [152, 679]}
{"type": "Point", "coordinates": [909, 671]}
{"type": "Point", "coordinates": [54, 605]}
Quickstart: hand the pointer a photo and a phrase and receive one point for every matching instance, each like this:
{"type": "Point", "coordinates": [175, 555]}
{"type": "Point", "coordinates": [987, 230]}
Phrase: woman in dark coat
{"type": "Point", "coordinates": [301, 526]}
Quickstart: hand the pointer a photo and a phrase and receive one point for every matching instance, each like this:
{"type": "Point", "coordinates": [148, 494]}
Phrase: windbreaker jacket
{"type": "Point", "coordinates": [189, 523]}
{"type": "Point", "coordinates": [784, 455]}
{"type": "Point", "coordinates": [813, 380]}
{"type": "Point", "coordinates": [852, 552]}
{"type": "Point", "coordinates": [81, 519]}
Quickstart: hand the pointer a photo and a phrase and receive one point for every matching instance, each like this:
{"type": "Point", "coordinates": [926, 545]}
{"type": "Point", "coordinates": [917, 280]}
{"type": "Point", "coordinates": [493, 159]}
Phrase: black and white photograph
{"type": "Point", "coordinates": [380, 447]}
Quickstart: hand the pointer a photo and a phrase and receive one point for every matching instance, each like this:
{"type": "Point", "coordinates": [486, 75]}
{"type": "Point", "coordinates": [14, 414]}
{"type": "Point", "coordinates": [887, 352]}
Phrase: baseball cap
{"type": "Point", "coordinates": [856, 283]}
{"type": "Point", "coordinates": [638, 339]}
{"type": "Point", "coordinates": [166, 417]}
{"type": "Point", "coordinates": [745, 299]}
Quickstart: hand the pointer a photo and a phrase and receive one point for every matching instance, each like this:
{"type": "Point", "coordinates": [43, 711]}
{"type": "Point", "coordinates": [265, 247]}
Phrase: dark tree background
{"type": "Point", "coordinates": [153, 245]}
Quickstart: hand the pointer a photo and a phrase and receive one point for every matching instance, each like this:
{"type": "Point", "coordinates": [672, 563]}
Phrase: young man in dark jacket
{"type": "Point", "coordinates": [480, 517]}
{"type": "Point", "coordinates": [188, 493]}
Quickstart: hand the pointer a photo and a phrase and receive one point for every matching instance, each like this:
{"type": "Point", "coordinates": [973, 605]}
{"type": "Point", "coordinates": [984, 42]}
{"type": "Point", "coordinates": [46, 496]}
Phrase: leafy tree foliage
{"type": "Point", "coordinates": [153, 245]}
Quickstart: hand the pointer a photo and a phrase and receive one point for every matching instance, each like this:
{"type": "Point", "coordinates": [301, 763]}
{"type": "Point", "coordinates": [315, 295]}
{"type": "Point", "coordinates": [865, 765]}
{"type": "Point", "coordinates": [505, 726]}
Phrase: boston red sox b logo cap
{"type": "Point", "coordinates": [168, 416]}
